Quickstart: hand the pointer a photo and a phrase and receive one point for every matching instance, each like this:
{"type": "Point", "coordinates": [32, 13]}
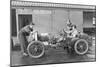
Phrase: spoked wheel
{"type": "Point", "coordinates": [81, 46]}
{"type": "Point", "coordinates": [35, 49]}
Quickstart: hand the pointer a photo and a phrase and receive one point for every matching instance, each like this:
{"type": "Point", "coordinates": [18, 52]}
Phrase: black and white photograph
{"type": "Point", "coordinates": [44, 33]}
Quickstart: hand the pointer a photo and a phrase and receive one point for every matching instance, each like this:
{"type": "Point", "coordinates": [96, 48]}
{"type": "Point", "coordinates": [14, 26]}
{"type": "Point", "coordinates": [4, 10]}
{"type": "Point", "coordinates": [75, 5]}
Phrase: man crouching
{"type": "Point", "coordinates": [25, 31]}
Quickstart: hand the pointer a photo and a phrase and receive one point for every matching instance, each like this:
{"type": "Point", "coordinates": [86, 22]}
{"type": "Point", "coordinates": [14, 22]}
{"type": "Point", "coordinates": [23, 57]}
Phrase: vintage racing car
{"type": "Point", "coordinates": [38, 42]}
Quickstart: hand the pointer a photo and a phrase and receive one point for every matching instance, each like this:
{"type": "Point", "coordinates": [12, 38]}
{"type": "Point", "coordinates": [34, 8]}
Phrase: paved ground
{"type": "Point", "coordinates": [51, 56]}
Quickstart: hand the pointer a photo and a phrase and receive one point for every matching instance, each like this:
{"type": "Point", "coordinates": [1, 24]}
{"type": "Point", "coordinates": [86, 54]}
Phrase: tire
{"type": "Point", "coordinates": [81, 47]}
{"type": "Point", "coordinates": [35, 49]}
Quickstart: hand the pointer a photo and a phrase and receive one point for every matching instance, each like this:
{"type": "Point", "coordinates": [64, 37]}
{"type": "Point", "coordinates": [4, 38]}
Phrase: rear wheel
{"type": "Point", "coordinates": [81, 46]}
{"type": "Point", "coordinates": [35, 49]}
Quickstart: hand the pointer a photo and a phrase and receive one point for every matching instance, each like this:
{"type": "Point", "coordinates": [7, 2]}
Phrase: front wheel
{"type": "Point", "coordinates": [81, 47]}
{"type": "Point", "coordinates": [35, 49]}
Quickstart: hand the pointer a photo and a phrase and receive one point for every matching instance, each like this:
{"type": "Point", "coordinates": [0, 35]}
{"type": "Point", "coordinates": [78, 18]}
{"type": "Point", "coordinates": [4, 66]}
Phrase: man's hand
{"type": "Point", "coordinates": [30, 38]}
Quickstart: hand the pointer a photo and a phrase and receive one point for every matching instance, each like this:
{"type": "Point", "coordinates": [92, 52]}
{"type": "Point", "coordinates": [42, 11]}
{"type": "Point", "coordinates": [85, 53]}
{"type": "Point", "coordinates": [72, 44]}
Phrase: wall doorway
{"type": "Point", "coordinates": [24, 20]}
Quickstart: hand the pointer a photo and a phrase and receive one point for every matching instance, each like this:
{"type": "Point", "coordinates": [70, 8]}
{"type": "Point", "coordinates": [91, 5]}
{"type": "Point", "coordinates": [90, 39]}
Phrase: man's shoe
{"type": "Point", "coordinates": [25, 54]}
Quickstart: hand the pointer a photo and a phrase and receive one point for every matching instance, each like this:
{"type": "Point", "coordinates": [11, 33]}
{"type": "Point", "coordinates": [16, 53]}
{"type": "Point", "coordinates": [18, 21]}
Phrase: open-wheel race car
{"type": "Point", "coordinates": [78, 45]}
